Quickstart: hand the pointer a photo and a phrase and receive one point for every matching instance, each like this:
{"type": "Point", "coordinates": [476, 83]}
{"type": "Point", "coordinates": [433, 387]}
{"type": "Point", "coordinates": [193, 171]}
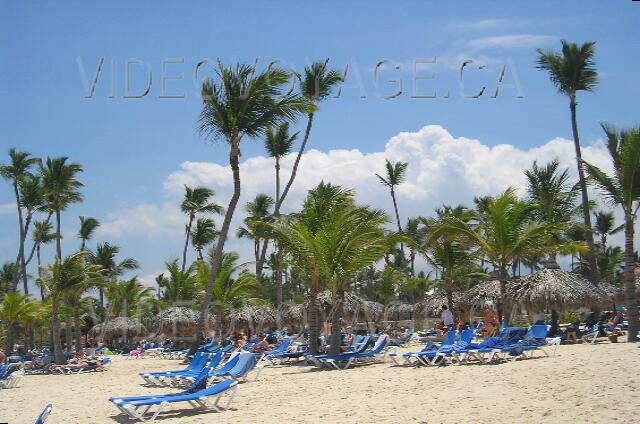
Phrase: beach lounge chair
{"type": "Point", "coordinates": [347, 359]}
{"type": "Point", "coordinates": [44, 414]}
{"type": "Point", "coordinates": [494, 347]}
{"type": "Point", "coordinates": [295, 352]}
{"type": "Point", "coordinates": [455, 354]}
{"type": "Point", "coordinates": [245, 363]}
{"type": "Point", "coordinates": [187, 377]}
{"type": "Point", "coordinates": [196, 365]}
{"type": "Point", "coordinates": [591, 334]}
{"type": "Point", "coordinates": [359, 345]}
{"type": "Point", "coordinates": [414, 358]}
{"type": "Point", "coordinates": [10, 375]}
{"type": "Point", "coordinates": [198, 395]}
{"type": "Point", "coordinates": [536, 340]}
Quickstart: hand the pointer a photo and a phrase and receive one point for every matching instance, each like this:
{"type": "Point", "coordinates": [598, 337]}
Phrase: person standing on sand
{"type": "Point", "coordinates": [447, 317]}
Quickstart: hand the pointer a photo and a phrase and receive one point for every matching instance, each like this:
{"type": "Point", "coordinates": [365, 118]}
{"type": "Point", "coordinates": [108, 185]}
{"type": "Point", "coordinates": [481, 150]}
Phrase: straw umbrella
{"type": "Point", "coordinates": [119, 327]}
{"type": "Point", "coordinates": [485, 291]}
{"type": "Point", "coordinates": [433, 303]}
{"type": "Point", "coordinates": [178, 321]}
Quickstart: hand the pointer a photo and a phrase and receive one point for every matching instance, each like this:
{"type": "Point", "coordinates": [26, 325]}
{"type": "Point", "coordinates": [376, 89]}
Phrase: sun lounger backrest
{"type": "Point", "coordinates": [246, 362]}
{"type": "Point", "coordinates": [231, 362]}
{"type": "Point", "coordinates": [363, 344]}
{"type": "Point", "coordinates": [539, 331]}
{"type": "Point", "coordinates": [44, 414]}
{"type": "Point", "coordinates": [380, 344]}
{"type": "Point", "coordinates": [466, 336]}
{"type": "Point", "coordinates": [449, 338]}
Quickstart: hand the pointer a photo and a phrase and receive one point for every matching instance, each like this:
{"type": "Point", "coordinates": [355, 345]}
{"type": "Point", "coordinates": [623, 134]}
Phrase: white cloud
{"type": "Point", "coordinates": [443, 169]}
{"type": "Point", "coordinates": [485, 24]}
{"type": "Point", "coordinates": [512, 41]}
{"type": "Point", "coordinates": [7, 208]}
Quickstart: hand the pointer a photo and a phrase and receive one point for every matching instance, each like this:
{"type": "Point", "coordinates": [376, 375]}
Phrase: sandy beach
{"type": "Point", "coordinates": [583, 383]}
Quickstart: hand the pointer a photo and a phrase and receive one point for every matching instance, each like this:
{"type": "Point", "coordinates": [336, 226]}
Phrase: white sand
{"type": "Point", "coordinates": [584, 383]}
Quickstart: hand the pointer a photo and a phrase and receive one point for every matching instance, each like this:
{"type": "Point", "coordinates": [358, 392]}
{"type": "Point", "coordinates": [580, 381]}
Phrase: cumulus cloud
{"type": "Point", "coordinates": [512, 41]}
{"type": "Point", "coordinates": [7, 208]}
{"type": "Point", "coordinates": [443, 169]}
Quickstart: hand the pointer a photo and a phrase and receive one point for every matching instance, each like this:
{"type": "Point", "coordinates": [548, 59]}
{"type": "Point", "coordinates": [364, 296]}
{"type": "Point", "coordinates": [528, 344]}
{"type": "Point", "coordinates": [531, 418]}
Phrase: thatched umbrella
{"type": "Point", "coordinates": [553, 288]}
{"type": "Point", "coordinates": [351, 302]}
{"type": "Point", "coordinates": [483, 292]}
{"type": "Point", "coordinates": [433, 303]}
{"type": "Point", "coordinates": [178, 321]}
{"type": "Point", "coordinates": [120, 327]}
{"type": "Point", "coordinates": [253, 313]}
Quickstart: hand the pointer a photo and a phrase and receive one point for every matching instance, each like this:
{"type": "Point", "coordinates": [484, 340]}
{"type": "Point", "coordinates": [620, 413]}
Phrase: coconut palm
{"type": "Point", "coordinates": [6, 277]}
{"type": "Point", "coordinates": [178, 285]}
{"type": "Point", "coordinates": [42, 235]}
{"type": "Point", "coordinates": [15, 308]}
{"type": "Point", "coordinates": [105, 256]}
{"type": "Point", "coordinates": [14, 172]}
{"type": "Point", "coordinates": [31, 200]}
{"type": "Point", "coordinates": [605, 227]}
{"type": "Point", "coordinates": [416, 232]}
{"type": "Point", "coordinates": [203, 234]}
{"type": "Point", "coordinates": [241, 104]}
{"type": "Point", "coordinates": [315, 86]}
{"type": "Point", "coordinates": [571, 71]}
{"type": "Point", "coordinates": [623, 189]}
{"type": "Point", "coordinates": [394, 177]}
{"type": "Point", "coordinates": [196, 200]}
{"type": "Point", "coordinates": [128, 298]}
{"type": "Point", "coordinates": [505, 233]}
{"type": "Point", "coordinates": [258, 212]}
{"type": "Point", "coordinates": [88, 226]}
{"type": "Point", "coordinates": [61, 188]}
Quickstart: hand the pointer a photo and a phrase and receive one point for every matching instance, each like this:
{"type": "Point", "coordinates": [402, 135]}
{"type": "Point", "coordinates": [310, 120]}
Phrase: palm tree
{"type": "Point", "coordinates": [605, 227]}
{"type": "Point", "coordinates": [15, 307]}
{"type": "Point", "coordinates": [196, 200]}
{"type": "Point", "coordinates": [416, 234]}
{"type": "Point", "coordinates": [91, 278]}
{"type": "Point", "coordinates": [203, 234]}
{"type": "Point", "coordinates": [315, 86]}
{"type": "Point", "coordinates": [241, 104]}
{"type": "Point", "coordinates": [126, 297]}
{"type": "Point", "coordinates": [87, 226]}
{"type": "Point", "coordinates": [42, 234]}
{"type": "Point", "coordinates": [6, 277]}
{"type": "Point", "coordinates": [395, 176]}
{"type": "Point", "coordinates": [623, 188]}
{"type": "Point", "coordinates": [179, 285]}
{"type": "Point", "coordinates": [505, 233]}
{"type": "Point", "coordinates": [571, 71]}
{"type": "Point", "coordinates": [105, 256]}
{"type": "Point", "coordinates": [298, 236]}
{"type": "Point", "coordinates": [61, 188]}
{"type": "Point", "coordinates": [31, 200]}
{"type": "Point", "coordinates": [231, 289]}
{"type": "Point", "coordinates": [258, 212]}
{"type": "Point", "coordinates": [21, 163]}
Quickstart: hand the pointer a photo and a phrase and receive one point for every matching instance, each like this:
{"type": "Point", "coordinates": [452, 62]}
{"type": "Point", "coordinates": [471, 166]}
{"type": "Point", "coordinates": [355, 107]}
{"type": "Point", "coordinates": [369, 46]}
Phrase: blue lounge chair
{"type": "Point", "coordinates": [44, 414]}
{"type": "Point", "coordinates": [494, 347]}
{"type": "Point", "coordinates": [377, 351]}
{"type": "Point", "coordinates": [10, 375]}
{"type": "Point", "coordinates": [198, 362]}
{"type": "Point", "coordinates": [197, 395]}
{"type": "Point", "coordinates": [358, 345]}
{"type": "Point", "coordinates": [244, 364]}
{"type": "Point", "coordinates": [189, 377]}
{"type": "Point", "coordinates": [591, 334]}
{"type": "Point", "coordinates": [535, 340]}
{"type": "Point", "coordinates": [414, 358]}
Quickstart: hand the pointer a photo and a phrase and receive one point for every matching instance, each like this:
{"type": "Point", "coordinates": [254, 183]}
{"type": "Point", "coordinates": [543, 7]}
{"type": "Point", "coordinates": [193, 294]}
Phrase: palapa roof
{"type": "Point", "coordinates": [178, 319]}
{"type": "Point", "coordinates": [554, 288]}
{"type": "Point", "coordinates": [118, 327]}
{"type": "Point", "coordinates": [433, 303]}
{"type": "Point", "coordinates": [483, 292]}
{"type": "Point", "coordinates": [253, 313]}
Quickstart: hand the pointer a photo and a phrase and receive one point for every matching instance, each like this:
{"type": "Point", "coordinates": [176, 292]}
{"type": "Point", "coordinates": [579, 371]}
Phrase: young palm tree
{"type": "Point", "coordinates": [242, 104]}
{"type": "Point", "coordinates": [61, 188]}
{"type": "Point", "coordinates": [203, 234]}
{"type": "Point", "coordinates": [19, 168]}
{"type": "Point", "coordinates": [315, 86]}
{"type": "Point", "coordinates": [126, 297]}
{"type": "Point", "coordinates": [258, 212]}
{"type": "Point", "coordinates": [87, 227]}
{"type": "Point", "coordinates": [416, 233]}
{"type": "Point", "coordinates": [179, 285]}
{"type": "Point", "coordinates": [6, 277]}
{"type": "Point", "coordinates": [105, 256]}
{"type": "Point", "coordinates": [196, 200]}
{"type": "Point", "coordinates": [395, 176]}
{"type": "Point", "coordinates": [42, 234]}
{"type": "Point", "coordinates": [14, 309]}
{"type": "Point", "coordinates": [623, 188]}
{"type": "Point", "coordinates": [571, 71]}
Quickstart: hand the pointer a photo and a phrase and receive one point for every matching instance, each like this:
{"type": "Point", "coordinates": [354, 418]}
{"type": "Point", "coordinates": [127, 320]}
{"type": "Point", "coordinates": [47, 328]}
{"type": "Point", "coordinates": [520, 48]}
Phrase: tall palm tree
{"type": "Point", "coordinates": [13, 309]}
{"type": "Point", "coordinates": [571, 71]}
{"type": "Point", "coordinates": [196, 200]}
{"type": "Point", "coordinates": [203, 234]}
{"type": "Point", "coordinates": [127, 297]}
{"type": "Point", "coordinates": [394, 177]}
{"type": "Point", "coordinates": [315, 86]}
{"type": "Point", "coordinates": [6, 277]}
{"type": "Point", "coordinates": [605, 227]}
{"type": "Point", "coordinates": [88, 225]}
{"type": "Point", "coordinates": [277, 143]}
{"type": "Point", "coordinates": [416, 233]}
{"type": "Point", "coordinates": [42, 235]}
{"type": "Point", "coordinates": [61, 188]}
{"type": "Point", "coordinates": [105, 256]}
{"type": "Point", "coordinates": [31, 200]}
{"type": "Point", "coordinates": [178, 285]}
{"type": "Point", "coordinates": [505, 233]}
{"type": "Point", "coordinates": [241, 104]}
{"type": "Point", "coordinates": [15, 171]}
{"type": "Point", "coordinates": [623, 189]}
{"type": "Point", "coordinates": [258, 212]}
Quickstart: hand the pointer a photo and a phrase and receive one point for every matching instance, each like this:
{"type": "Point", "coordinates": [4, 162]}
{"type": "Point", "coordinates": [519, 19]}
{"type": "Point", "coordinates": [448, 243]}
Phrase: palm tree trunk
{"type": "Point", "coordinates": [58, 236]}
{"type": "Point", "coordinates": [76, 319]}
{"type": "Point", "coordinates": [42, 296]}
{"type": "Point", "coordinates": [67, 328]}
{"type": "Point", "coordinates": [279, 285]}
{"type": "Point", "coordinates": [9, 339]}
{"type": "Point", "coordinates": [58, 354]}
{"type": "Point", "coordinates": [23, 263]}
{"type": "Point", "coordinates": [586, 213]}
{"type": "Point", "coordinates": [16, 273]}
{"type": "Point", "coordinates": [217, 258]}
{"type": "Point", "coordinates": [336, 314]}
{"type": "Point", "coordinates": [186, 242]}
{"type": "Point", "coordinates": [395, 208]}
{"type": "Point", "coordinates": [502, 276]}
{"type": "Point", "coordinates": [314, 323]}
{"type": "Point", "coordinates": [629, 279]}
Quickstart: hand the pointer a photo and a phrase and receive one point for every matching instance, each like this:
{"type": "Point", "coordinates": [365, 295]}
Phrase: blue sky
{"type": "Point", "coordinates": [130, 147]}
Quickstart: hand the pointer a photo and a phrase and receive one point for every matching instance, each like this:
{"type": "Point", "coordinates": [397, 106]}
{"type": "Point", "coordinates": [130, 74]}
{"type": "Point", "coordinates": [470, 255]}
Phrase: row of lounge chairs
{"type": "Point", "coordinates": [209, 378]}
